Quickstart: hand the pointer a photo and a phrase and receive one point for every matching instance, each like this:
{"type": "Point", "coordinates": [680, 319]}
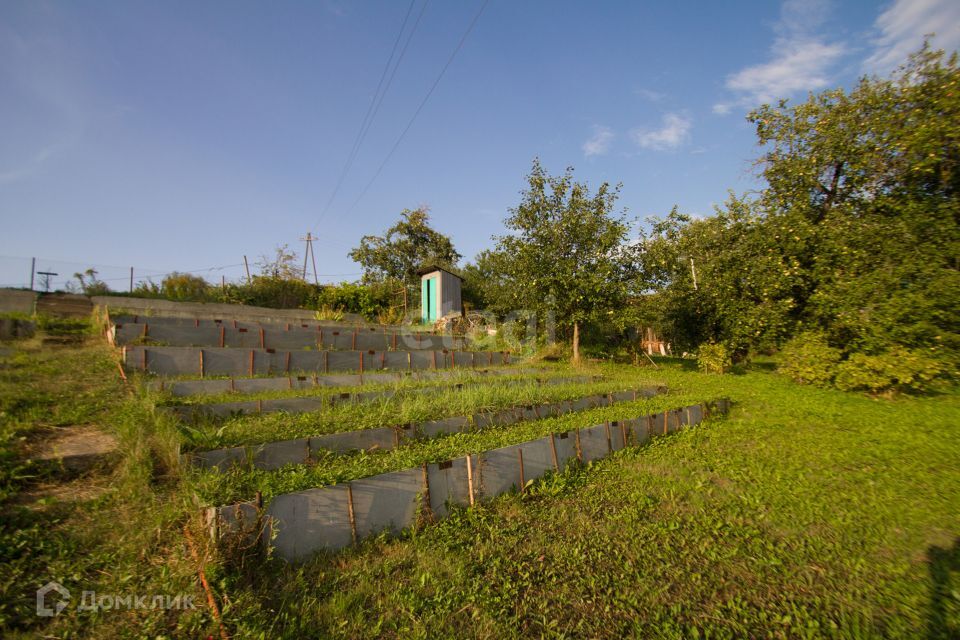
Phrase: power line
{"type": "Point", "coordinates": [375, 102]}
{"type": "Point", "coordinates": [416, 113]}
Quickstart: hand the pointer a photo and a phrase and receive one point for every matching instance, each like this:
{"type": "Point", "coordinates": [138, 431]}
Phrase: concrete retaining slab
{"type": "Point", "coordinates": [275, 455]}
{"type": "Point", "coordinates": [218, 459]}
{"type": "Point", "coordinates": [383, 438]}
{"type": "Point", "coordinates": [566, 446]}
{"type": "Point", "coordinates": [217, 362]}
{"type": "Point", "coordinates": [181, 388]}
{"type": "Point", "coordinates": [447, 426]}
{"type": "Point", "coordinates": [215, 336]}
{"type": "Point", "coordinates": [310, 521]}
{"type": "Point", "coordinates": [308, 404]}
{"type": "Point", "coordinates": [449, 484]}
{"type": "Point", "coordinates": [499, 471]}
{"type": "Point", "coordinates": [387, 502]}
{"type": "Point", "coordinates": [16, 328]}
{"type": "Point", "coordinates": [364, 440]}
{"type": "Point", "coordinates": [209, 310]}
{"type": "Point", "coordinates": [17, 301]}
{"type": "Point", "coordinates": [594, 444]}
{"type": "Point", "coordinates": [333, 517]}
{"type": "Point", "coordinates": [618, 435]}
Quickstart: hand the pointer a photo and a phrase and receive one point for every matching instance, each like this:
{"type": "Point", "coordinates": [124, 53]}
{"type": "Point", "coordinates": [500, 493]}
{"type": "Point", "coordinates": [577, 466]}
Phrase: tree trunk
{"type": "Point", "coordinates": [576, 343]}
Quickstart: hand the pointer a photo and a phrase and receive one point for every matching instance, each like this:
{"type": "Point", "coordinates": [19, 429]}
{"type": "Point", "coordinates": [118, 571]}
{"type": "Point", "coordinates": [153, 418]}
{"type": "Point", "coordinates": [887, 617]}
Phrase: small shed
{"type": "Point", "coordinates": [439, 294]}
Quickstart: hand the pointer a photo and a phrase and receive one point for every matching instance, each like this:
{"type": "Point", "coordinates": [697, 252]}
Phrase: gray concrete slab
{"type": "Point", "coordinates": [529, 412]}
{"type": "Point", "coordinates": [310, 521]}
{"type": "Point", "coordinates": [448, 485]}
{"type": "Point", "coordinates": [593, 443]}
{"type": "Point", "coordinates": [318, 379]}
{"type": "Point", "coordinates": [209, 310]}
{"type": "Point", "coordinates": [386, 438]}
{"type": "Point", "coordinates": [275, 455]}
{"type": "Point", "coordinates": [618, 435]}
{"type": "Point", "coordinates": [499, 471]}
{"type": "Point", "coordinates": [17, 301]}
{"type": "Point", "coordinates": [642, 429]}
{"type": "Point", "coordinates": [581, 404]}
{"type": "Point", "coordinates": [694, 414]}
{"type": "Point", "coordinates": [293, 405]}
{"type": "Point", "coordinates": [537, 458]}
{"type": "Point", "coordinates": [387, 502]}
{"type": "Point", "coordinates": [566, 446]}
{"type": "Point", "coordinates": [365, 439]}
{"type": "Point", "coordinates": [446, 426]}
{"type": "Point", "coordinates": [219, 459]}
{"type": "Point", "coordinates": [235, 520]}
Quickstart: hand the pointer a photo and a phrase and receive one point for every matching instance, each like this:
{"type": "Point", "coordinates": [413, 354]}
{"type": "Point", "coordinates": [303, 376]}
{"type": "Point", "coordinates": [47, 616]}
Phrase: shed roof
{"type": "Point", "coordinates": [422, 271]}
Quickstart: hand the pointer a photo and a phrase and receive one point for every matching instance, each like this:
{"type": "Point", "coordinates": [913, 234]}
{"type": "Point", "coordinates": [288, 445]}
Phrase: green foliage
{"type": "Point", "coordinates": [89, 284]}
{"type": "Point", "coordinates": [486, 284]}
{"type": "Point", "coordinates": [894, 371]}
{"type": "Point", "coordinates": [808, 359]}
{"type": "Point", "coordinates": [567, 255]}
{"type": "Point", "coordinates": [406, 247]}
{"type": "Point", "coordinates": [282, 266]}
{"type": "Point", "coordinates": [714, 358]}
{"type": "Point", "coordinates": [812, 509]}
{"type": "Point", "coordinates": [185, 287]}
{"type": "Point", "coordinates": [369, 300]}
{"type": "Point", "coordinates": [277, 292]}
{"type": "Point", "coordinates": [856, 232]}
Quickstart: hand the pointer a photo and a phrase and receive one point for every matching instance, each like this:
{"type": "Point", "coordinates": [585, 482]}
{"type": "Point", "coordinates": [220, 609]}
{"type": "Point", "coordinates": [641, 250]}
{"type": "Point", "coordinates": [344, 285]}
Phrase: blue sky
{"type": "Point", "coordinates": [183, 135]}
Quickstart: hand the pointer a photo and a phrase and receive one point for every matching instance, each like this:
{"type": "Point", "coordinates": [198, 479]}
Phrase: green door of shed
{"type": "Point", "coordinates": [428, 300]}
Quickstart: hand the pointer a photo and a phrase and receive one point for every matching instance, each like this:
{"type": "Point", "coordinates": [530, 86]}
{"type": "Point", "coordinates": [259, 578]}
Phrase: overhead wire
{"type": "Point", "coordinates": [416, 113]}
{"type": "Point", "coordinates": [375, 101]}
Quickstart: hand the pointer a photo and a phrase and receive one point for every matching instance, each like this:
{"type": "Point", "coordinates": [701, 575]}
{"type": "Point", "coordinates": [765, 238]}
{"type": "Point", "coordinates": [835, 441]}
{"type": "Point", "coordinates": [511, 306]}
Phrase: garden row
{"type": "Point", "coordinates": [299, 524]}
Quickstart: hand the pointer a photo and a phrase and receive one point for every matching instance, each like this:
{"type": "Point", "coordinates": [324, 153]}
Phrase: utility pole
{"type": "Point", "coordinates": [309, 250]}
{"type": "Point", "coordinates": [131, 279]}
{"type": "Point", "coordinates": [246, 266]}
{"type": "Point", "coordinates": [33, 271]}
{"type": "Point", "coordinates": [46, 279]}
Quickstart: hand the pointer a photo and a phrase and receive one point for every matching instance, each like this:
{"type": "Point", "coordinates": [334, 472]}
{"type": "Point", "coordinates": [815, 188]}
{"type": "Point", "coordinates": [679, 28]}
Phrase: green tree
{"type": "Point", "coordinates": [89, 284]}
{"type": "Point", "coordinates": [485, 283]}
{"type": "Point", "coordinates": [283, 265]}
{"type": "Point", "coordinates": [185, 287]}
{"type": "Point", "coordinates": [567, 255]}
{"type": "Point", "coordinates": [855, 235]}
{"type": "Point", "coordinates": [405, 247]}
{"type": "Point", "coordinates": [867, 187]}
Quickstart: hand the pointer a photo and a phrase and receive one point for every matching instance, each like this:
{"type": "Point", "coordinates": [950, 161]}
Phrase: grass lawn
{"type": "Point", "coordinates": [804, 513]}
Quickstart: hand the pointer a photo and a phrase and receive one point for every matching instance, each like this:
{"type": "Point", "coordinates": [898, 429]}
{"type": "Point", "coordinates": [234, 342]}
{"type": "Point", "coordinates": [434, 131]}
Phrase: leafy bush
{"type": "Point", "coordinates": [808, 359]}
{"type": "Point", "coordinates": [894, 371]}
{"type": "Point", "coordinates": [185, 287]}
{"type": "Point", "coordinates": [369, 300]}
{"type": "Point", "coordinates": [714, 358]}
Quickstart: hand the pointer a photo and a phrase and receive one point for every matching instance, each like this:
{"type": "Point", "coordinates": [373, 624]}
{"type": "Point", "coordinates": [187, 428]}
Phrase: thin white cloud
{"type": "Point", "coordinates": [599, 143]}
{"type": "Point", "coordinates": [801, 59]}
{"type": "Point", "coordinates": [674, 132]}
{"type": "Point", "coordinates": [797, 66]}
{"type": "Point", "coordinates": [903, 26]}
{"type": "Point", "coordinates": [650, 94]}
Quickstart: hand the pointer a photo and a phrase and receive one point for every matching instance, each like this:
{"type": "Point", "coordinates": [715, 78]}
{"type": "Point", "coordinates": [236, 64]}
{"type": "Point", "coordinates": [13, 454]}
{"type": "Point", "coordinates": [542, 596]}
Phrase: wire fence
{"type": "Point", "coordinates": [52, 274]}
